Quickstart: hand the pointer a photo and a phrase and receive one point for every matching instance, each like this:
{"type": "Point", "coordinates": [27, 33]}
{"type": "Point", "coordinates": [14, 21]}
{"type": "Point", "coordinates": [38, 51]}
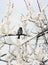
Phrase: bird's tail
{"type": "Point", "coordinates": [18, 36]}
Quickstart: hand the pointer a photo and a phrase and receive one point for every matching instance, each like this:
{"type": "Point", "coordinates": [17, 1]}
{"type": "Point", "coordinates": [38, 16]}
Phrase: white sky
{"type": "Point", "coordinates": [20, 7]}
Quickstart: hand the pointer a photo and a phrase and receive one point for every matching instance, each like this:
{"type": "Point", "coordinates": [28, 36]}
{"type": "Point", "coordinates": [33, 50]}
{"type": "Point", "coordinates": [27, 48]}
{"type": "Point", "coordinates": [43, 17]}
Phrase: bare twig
{"type": "Point", "coordinates": [3, 60]}
{"type": "Point", "coordinates": [3, 55]}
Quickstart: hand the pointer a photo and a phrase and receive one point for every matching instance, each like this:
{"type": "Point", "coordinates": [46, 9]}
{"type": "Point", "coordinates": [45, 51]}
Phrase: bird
{"type": "Point", "coordinates": [20, 32]}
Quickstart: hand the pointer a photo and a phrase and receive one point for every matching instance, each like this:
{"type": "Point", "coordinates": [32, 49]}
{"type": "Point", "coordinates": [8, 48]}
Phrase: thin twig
{"type": "Point", "coordinates": [3, 55]}
{"type": "Point", "coordinates": [3, 60]}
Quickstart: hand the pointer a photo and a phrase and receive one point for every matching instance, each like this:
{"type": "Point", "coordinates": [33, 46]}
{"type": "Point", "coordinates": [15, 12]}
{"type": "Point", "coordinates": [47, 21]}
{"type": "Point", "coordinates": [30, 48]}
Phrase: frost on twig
{"type": "Point", "coordinates": [32, 46]}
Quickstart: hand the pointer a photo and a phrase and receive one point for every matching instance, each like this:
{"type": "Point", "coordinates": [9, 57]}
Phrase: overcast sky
{"type": "Point", "coordinates": [20, 6]}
